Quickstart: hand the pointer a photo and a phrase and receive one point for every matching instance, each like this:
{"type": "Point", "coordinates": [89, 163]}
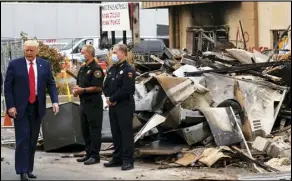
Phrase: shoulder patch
{"type": "Point", "coordinates": [97, 73]}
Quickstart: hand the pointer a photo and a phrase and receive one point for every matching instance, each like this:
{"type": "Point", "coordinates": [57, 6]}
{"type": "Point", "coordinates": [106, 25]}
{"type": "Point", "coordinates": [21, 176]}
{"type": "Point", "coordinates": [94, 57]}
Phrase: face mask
{"type": "Point", "coordinates": [115, 58]}
{"type": "Point", "coordinates": [82, 58]}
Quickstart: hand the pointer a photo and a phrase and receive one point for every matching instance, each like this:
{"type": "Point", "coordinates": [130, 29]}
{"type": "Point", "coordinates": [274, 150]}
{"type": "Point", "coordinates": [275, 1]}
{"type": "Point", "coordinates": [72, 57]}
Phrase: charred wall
{"type": "Point", "coordinates": [216, 13]}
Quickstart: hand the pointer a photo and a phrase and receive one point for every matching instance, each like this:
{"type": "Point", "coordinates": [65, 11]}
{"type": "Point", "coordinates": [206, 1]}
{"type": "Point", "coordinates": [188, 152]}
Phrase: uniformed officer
{"type": "Point", "coordinates": [119, 89]}
{"type": "Point", "coordinates": [89, 88]}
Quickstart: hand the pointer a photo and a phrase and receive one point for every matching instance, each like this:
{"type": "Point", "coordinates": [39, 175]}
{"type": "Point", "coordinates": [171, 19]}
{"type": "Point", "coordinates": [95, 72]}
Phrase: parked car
{"type": "Point", "coordinates": [148, 47]}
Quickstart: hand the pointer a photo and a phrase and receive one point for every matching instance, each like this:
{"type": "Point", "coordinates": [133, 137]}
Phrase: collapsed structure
{"type": "Point", "coordinates": [212, 100]}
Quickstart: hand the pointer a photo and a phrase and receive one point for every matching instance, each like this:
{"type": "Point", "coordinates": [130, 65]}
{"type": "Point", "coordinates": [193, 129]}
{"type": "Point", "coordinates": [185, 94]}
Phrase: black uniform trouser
{"type": "Point", "coordinates": [121, 120]}
{"type": "Point", "coordinates": [91, 126]}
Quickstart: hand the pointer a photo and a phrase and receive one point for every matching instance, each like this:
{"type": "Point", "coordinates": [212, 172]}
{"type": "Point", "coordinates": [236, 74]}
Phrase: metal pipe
{"type": "Point", "coordinates": [244, 42]}
{"type": "Point", "coordinates": [244, 141]}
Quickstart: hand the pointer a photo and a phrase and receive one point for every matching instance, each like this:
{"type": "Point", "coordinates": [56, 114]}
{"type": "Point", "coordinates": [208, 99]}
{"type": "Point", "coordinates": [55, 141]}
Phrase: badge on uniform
{"type": "Point", "coordinates": [97, 74]}
{"type": "Point", "coordinates": [121, 72]}
{"type": "Point", "coordinates": [88, 72]}
{"type": "Point", "coordinates": [130, 74]}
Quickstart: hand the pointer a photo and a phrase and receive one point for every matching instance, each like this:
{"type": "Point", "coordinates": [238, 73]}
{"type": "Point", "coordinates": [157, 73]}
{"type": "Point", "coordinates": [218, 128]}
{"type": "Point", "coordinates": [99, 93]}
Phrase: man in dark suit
{"type": "Point", "coordinates": [25, 87]}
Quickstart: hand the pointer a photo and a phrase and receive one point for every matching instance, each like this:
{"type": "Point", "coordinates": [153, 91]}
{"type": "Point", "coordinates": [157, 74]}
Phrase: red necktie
{"type": "Point", "coordinates": [31, 76]}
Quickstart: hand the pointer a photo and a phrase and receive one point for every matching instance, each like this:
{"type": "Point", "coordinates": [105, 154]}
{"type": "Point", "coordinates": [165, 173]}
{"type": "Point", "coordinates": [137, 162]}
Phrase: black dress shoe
{"type": "Point", "coordinates": [24, 176]}
{"type": "Point", "coordinates": [83, 159]}
{"type": "Point", "coordinates": [113, 163]}
{"type": "Point", "coordinates": [91, 161]}
{"type": "Point", "coordinates": [31, 175]}
{"type": "Point", "coordinates": [127, 165]}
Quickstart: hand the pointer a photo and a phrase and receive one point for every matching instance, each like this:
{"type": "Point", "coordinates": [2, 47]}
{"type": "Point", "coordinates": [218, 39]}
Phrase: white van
{"type": "Point", "coordinates": [73, 48]}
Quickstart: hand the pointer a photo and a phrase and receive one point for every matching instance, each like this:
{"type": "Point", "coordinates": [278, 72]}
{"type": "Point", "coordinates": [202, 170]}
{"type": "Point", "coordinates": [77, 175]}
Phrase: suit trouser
{"type": "Point", "coordinates": [91, 126]}
{"type": "Point", "coordinates": [121, 120]}
{"type": "Point", "coordinates": [27, 130]}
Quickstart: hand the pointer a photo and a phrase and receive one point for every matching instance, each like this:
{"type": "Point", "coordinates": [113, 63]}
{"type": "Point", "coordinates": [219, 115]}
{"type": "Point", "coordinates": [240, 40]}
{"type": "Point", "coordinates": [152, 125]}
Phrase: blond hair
{"type": "Point", "coordinates": [31, 43]}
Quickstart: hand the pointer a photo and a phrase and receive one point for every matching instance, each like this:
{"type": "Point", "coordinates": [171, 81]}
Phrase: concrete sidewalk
{"type": "Point", "coordinates": [50, 166]}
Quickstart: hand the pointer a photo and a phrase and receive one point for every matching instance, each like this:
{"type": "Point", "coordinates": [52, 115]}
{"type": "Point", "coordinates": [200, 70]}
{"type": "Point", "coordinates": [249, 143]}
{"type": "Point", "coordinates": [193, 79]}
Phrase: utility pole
{"type": "Point", "coordinates": [102, 34]}
{"type": "Point", "coordinates": [135, 24]}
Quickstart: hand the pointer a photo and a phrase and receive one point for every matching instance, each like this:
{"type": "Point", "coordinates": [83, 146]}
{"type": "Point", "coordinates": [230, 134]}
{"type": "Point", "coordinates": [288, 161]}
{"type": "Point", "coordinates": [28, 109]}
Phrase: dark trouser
{"type": "Point", "coordinates": [121, 120]}
{"type": "Point", "coordinates": [27, 131]}
{"type": "Point", "coordinates": [91, 126]}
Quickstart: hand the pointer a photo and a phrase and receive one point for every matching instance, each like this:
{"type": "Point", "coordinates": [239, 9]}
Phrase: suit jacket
{"type": "Point", "coordinates": [16, 86]}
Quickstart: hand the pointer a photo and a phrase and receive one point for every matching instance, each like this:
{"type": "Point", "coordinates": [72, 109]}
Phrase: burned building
{"type": "Point", "coordinates": [262, 24]}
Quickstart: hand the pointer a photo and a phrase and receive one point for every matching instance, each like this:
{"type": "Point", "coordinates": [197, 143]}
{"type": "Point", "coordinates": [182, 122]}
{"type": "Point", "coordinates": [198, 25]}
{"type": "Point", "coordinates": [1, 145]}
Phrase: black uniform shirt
{"type": "Point", "coordinates": [119, 84]}
{"type": "Point", "coordinates": [88, 76]}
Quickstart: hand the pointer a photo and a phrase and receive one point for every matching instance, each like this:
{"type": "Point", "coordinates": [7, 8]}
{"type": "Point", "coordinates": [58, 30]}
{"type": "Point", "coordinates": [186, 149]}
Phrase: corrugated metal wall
{"type": "Point", "coordinates": [159, 4]}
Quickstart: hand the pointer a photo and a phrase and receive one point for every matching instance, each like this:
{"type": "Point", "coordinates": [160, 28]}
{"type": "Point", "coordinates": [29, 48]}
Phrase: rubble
{"type": "Point", "coordinates": [261, 144]}
{"type": "Point", "coordinates": [152, 123]}
{"type": "Point", "coordinates": [212, 155]}
{"type": "Point", "coordinates": [223, 126]}
{"type": "Point", "coordinates": [178, 116]}
{"type": "Point", "coordinates": [160, 148]}
{"type": "Point", "coordinates": [274, 148]}
{"type": "Point", "coordinates": [194, 134]}
{"type": "Point", "coordinates": [259, 97]}
{"type": "Point", "coordinates": [210, 102]}
{"type": "Point", "coordinates": [279, 149]}
{"type": "Point", "coordinates": [256, 162]}
{"type": "Point", "coordinates": [282, 164]}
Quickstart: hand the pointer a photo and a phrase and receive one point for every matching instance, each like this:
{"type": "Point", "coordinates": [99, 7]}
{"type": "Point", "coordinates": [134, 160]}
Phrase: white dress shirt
{"type": "Point", "coordinates": [35, 73]}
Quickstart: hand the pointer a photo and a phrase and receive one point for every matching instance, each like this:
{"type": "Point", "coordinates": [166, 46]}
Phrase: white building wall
{"type": "Point", "coordinates": [66, 20]}
{"type": "Point", "coordinates": [272, 16]}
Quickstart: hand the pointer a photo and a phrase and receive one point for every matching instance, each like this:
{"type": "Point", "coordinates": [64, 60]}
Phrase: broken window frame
{"type": "Point", "coordinates": [197, 36]}
{"type": "Point", "coordinates": [276, 34]}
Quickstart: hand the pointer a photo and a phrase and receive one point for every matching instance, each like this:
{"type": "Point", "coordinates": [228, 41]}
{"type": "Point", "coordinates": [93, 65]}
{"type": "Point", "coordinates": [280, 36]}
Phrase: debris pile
{"type": "Point", "coordinates": [198, 109]}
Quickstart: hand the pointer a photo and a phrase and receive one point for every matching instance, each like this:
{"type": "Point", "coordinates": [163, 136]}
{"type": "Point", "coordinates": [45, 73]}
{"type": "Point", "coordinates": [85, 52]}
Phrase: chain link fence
{"type": "Point", "coordinates": [10, 49]}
